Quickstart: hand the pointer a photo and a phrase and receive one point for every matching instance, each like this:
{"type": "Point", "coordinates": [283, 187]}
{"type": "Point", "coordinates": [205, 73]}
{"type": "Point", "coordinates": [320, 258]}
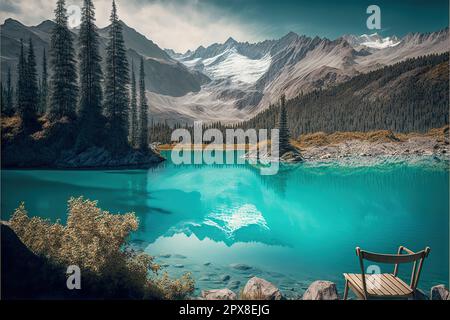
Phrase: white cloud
{"type": "Point", "coordinates": [178, 25]}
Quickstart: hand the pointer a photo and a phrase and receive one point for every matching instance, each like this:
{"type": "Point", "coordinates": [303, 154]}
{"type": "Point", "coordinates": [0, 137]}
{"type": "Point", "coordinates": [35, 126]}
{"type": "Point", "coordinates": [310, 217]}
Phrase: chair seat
{"type": "Point", "coordinates": [383, 285]}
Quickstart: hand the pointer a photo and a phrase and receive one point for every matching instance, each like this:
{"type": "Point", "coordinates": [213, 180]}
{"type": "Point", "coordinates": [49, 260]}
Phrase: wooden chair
{"type": "Point", "coordinates": [386, 285]}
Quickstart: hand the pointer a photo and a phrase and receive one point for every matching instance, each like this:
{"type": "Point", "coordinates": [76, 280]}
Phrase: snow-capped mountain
{"type": "Point", "coordinates": [232, 65]}
{"type": "Point", "coordinates": [232, 81]}
{"type": "Point", "coordinates": [246, 77]}
{"type": "Point", "coordinates": [374, 41]}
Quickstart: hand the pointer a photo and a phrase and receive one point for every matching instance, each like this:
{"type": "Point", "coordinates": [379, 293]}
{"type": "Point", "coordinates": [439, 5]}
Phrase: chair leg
{"type": "Point", "coordinates": [346, 289]}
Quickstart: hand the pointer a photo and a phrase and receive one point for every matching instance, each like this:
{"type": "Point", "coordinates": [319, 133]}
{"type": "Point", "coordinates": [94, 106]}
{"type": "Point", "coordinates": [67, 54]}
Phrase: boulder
{"type": "Point", "coordinates": [321, 290]}
{"type": "Point", "coordinates": [440, 292]}
{"type": "Point", "coordinates": [260, 289]}
{"type": "Point", "coordinates": [219, 294]}
{"type": "Point", "coordinates": [225, 278]}
{"type": "Point", "coordinates": [293, 156]}
{"type": "Point", "coordinates": [420, 295]}
{"type": "Point", "coordinates": [234, 284]}
{"type": "Point", "coordinates": [240, 266]}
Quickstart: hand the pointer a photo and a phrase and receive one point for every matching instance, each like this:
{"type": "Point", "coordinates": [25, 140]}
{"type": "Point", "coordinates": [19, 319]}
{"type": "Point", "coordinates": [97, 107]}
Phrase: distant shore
{"type": "Point", "coordinates": [375, 147]}
{"type": "Point", "coordinates": [371, 147]}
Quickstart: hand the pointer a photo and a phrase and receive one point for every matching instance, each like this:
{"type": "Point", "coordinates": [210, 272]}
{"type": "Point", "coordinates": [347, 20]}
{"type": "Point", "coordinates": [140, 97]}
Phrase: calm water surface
{"type": "Point", "coordinates": [291, 228]}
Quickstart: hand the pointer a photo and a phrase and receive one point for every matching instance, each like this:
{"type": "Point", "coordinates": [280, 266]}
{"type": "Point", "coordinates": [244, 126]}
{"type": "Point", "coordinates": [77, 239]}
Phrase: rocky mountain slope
{"type": "Point", "coordinates": [164, 75]}
{"type": "Point", "coordinates": [233, 81]}
{"type": "Point", "coordinates": [247, 78]}
{"type": "Point", "coordinates": [409, 96]}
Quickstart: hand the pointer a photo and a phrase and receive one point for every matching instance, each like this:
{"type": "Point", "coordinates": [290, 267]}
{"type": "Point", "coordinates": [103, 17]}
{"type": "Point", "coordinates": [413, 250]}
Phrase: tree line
{"type": "Point", "coordinates": [409, 96]}
{"type": "Point", "coordinates": [107, 107]}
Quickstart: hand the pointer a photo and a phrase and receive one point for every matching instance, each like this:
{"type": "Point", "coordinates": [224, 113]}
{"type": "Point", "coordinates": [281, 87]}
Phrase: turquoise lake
{"type": "Point", "coordinates": [292, 228]}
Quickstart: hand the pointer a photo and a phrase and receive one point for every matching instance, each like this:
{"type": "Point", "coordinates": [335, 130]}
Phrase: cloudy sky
{"type": "Point", "coordinates": [186, 24]}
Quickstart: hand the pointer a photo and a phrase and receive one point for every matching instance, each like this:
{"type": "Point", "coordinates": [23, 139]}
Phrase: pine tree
{"type": "Point", "coordinates": [27, 88]}
{"type": "Point", "coordinates": [9, 95]}
{"type": "Point", "coordinates": [21, 86]}
{"type": "Point", "coordinates": [29, 116]}
{"type": "Point", "coordinates": [143, 110]}
{"type": "Point", "coordinates": [116, 86]}
{"type": "Point", "coordinates": [44, 86]}
{"type": "Point", "coordinates": [32, 79]}
{"type": "Point", "coordinates": [133, 110]}
{"type": "Point", "coordinates": [63, 81]}
{"type": "Point", "coordinates": [90, 108]}
{"type": "Point", "coordinates": [2, 98]}
{"type": "Point", "coordinates": [283, 128]}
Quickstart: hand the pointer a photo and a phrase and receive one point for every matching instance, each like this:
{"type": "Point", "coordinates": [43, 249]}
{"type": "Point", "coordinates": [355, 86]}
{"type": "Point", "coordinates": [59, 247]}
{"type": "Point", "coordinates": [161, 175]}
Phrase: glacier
{"type": "Point", "coordinates": [233, 66]}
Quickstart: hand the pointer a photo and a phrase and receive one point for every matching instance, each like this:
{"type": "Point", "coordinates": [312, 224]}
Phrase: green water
{"type": "Point", "coordinates": [291, 228]}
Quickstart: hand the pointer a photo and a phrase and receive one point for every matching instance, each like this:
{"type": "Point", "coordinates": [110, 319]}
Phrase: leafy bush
{"type": "Point", "coordinates": [94, 240]}
{"type": "Point", "coordinates": [175, 289]}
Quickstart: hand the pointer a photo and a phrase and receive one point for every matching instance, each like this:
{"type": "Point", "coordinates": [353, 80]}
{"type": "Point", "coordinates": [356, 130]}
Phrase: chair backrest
{"type": "Point", "coordinates": [399, 258]}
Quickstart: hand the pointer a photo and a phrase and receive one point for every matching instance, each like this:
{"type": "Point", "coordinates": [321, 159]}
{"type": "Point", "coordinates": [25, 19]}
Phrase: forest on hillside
{"type": "Point", "coordinates": [410, 96]}
{"type": "Point", "coordinates": [76, 114]}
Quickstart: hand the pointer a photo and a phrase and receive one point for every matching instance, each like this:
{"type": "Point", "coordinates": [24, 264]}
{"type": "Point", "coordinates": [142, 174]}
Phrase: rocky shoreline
{"type": "Point", "coordinates": [260, 289]}
{"type": "Point", "coordinates": [411, 150]}
{"type": "Point", "coordinates": [366, 149]}
{"type": "Point", "coordinates": [240, 281]}
{"type": "Point", "coordinates": [54, 147]}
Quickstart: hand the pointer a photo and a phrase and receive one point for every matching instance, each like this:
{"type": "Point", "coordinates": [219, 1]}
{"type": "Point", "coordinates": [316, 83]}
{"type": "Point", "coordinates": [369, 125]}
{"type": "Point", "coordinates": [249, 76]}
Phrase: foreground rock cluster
{"type": "Point", "coordinates": [28, 276]}
{"type": "Point", "coordinates": [260, 289]}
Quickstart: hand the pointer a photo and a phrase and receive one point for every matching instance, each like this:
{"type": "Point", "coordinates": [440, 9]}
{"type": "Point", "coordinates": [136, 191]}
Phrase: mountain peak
{"type": "Point", "coordinates": [230, 41]}
{"type": "Point", "coordinates": [11, 21]}
{"type": "Point", "coordinates": [290, 36]}
{"type": "Point", "coordinates": [45, 25]}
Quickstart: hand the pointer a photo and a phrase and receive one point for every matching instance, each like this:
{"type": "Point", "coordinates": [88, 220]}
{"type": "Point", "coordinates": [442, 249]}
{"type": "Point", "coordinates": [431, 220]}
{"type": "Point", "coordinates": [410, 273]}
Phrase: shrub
{"type": "Point", "coordinates": [94, 240]}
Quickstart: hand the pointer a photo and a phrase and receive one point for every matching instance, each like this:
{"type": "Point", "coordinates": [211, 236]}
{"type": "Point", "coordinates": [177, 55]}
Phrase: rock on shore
{"type": "Point", "coordinates": [292, 156]}
{"type": "Point", "coordinates": [219, 294]}
{"type": "Point", "coordinates": [260, 289]}
{"type": "Point", "coordinates": [440, 292]}
{"type": "Point", "coordinates": [321, 290]}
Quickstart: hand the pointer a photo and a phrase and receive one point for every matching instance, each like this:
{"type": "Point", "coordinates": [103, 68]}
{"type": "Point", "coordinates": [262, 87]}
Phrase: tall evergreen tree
{"type": "Point", "coordinates": [283, 128]}
{"type": "Point", "coordinates": [143, 110]}
{"type": "Point", "coordinates": [134, 127]}
{"type": "Point", "coordinates": [21, 87]}
{"type": "Point", "coordinates": [29, 116]}
{"type": "Point", "coordinates": [9, 95]}
{"type": "Point", "coordinates": [90, 106]}
{"type": "Point", "coordinates": [43, 97]}
{"type": "Point", "coordinates": [2, 98]}
{"type": "Point", "coordinates": [27, 88]}
{"type": "Point", "coordinates": [63, 81]}
{"type": "Point", "coordinates": [116, 85]}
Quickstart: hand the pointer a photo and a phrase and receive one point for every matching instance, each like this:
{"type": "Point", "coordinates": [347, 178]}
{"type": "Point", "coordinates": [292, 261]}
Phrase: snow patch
{"type": "Point", "coordinates": [233, 66]}
{"type": "Point", "coordinates": [376, 42]}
